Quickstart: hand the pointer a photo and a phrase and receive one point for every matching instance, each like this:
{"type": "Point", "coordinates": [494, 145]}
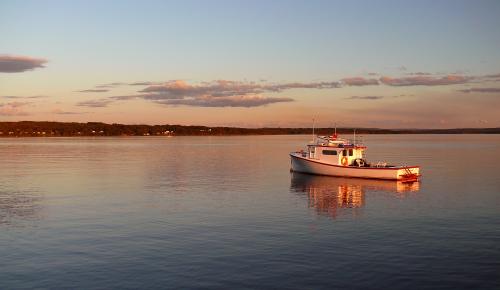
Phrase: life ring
{"type": "Point", "coordinates": [344, 161]}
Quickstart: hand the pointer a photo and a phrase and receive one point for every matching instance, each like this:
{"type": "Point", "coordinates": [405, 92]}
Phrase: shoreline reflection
{"type": "Point", "coordinates": [330, 195]}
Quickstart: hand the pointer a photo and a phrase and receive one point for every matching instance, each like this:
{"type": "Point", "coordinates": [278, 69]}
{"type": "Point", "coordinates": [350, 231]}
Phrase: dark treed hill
{"type": "Point", "coordinates": [54, 129]}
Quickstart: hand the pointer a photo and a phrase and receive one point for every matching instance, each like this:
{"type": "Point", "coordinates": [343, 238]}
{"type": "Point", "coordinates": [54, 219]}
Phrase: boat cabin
{"type": "Point", "coordinates": [336, 151]}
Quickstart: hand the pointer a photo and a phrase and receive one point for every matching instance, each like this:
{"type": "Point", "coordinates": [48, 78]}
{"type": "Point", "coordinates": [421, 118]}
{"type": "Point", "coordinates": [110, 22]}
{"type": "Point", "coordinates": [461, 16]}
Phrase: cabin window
{"type": "Point", "coordinates": [350, 152]}
{"type": "Point", "coordinates": [344, 152]}
{"type": "Point", "coordinates": [329, 152]}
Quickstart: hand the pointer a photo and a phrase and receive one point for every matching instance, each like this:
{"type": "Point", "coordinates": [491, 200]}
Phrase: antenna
{"type": "Point", "coordinates": [354, 141]}
{"type": "Point", "coordinates": [313, 132]}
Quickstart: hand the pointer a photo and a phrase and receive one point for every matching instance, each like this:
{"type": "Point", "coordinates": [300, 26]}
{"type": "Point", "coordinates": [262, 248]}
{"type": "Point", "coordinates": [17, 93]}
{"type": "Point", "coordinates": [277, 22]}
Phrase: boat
{"type": "Point", "coordinates": [335, 156]}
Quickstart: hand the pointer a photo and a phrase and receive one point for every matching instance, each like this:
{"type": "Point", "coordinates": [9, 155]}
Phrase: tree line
{"type": "Point", "coordinates": [70, 129]}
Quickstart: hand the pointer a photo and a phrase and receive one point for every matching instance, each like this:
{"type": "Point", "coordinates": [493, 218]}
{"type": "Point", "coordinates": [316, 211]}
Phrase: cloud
{"type": "Point", "coordinates": [227, 93]}
{"type": "Point", "coordinates": [13, 109]}
{"type": "Point", "coordinates": [144, 84]}
{"type": "Point", "coordinates": [15, 63]}
{"type": "Point", "coordinates": [62, 112]}
{"type": "Point", "coordinates": [24, 97]}
{"type": "Point", "coordinates": [126, 97]}
{"type": "Point", "coordinates": [178, 89]}
{"type": "Point", "coordinates": [419, 74]}
{"type": "Point", "coordinates": [220, 88]}
{"type": "Point", "coordinates": [93, 91]}
{"type": "Point", "coordinates": [221, 93]}
{"type": "Point", "coordinates": [99, 103]}
{"type": "Point", "coordinates": [16, 104]}
{"type": "Point", "coordinates": [425, 80]}
{"type": "Point", "coordinates": [481, 90]}
{"type": "Point", "coordinates": [359, 81]}
{"type": "Point", "coordinates": [110, 85]}
{"type": "Point", "coordinates": [365, 97]}
{"type": "Point", "coordinates": [298, 85]}
{"type": "Point", "coordinates": [491, 78]}
{"type": "Point", "coordinates": [246, 101]}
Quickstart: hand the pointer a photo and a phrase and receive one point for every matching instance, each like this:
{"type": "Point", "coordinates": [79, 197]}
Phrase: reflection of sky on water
{"type": "Point", "coordinates": [17, 206]}
{"type": "Point", "coordinates": [329, 195]}
{"type": "Point", "coordinates": [109, 212]}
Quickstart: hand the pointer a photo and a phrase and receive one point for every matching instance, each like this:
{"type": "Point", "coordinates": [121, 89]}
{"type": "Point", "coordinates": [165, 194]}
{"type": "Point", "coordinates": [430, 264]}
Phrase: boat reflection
{"type": "Point", "coordinates": [331, 195]}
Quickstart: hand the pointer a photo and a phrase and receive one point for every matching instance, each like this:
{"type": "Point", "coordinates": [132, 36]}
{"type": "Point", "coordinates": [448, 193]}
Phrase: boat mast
{"type": "Point", "coordinates": [313, 132]}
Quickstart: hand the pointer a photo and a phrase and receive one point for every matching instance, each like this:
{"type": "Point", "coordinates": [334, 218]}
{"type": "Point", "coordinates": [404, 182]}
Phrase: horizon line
{"type": "Point", "coordinates": [256, 128]}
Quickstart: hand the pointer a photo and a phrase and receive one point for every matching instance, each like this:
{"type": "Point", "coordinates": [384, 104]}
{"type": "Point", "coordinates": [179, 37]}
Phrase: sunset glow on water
{"type": "Point", "coordinates": [217, 212]}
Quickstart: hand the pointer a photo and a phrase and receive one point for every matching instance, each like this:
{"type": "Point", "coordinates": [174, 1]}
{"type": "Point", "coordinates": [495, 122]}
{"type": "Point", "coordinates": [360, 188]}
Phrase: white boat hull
{"type": "Point", "coordinates": [311, 166]}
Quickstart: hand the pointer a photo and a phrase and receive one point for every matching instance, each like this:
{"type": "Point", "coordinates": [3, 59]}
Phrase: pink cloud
{"type": "Point", "coordinates": [227, 93]}
{"type": "Point", "coordinates": [359, 81]}
{"type": "Point", "coordinates": [220, 88]}
{"type": "Point", "coordinates": [220, 93]}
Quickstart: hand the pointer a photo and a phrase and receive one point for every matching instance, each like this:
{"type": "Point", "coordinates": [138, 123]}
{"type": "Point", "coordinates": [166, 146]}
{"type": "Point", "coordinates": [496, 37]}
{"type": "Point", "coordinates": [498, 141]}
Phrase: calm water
{"type": "Point", "coordinates": [225, 212]}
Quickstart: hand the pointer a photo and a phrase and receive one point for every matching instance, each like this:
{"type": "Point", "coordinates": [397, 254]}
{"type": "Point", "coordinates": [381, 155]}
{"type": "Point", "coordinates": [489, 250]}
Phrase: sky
{"type": "Point", "coordinates": [385, 64]}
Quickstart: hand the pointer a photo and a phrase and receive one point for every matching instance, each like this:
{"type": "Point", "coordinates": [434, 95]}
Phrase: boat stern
{"type": "Point", "coordinates": [408, 174]}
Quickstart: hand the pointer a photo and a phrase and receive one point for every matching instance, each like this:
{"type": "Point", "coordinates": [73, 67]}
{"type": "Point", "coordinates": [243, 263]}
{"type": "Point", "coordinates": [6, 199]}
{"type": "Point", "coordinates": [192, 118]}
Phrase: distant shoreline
{"type": "Point", "coordinates": [67, 129]}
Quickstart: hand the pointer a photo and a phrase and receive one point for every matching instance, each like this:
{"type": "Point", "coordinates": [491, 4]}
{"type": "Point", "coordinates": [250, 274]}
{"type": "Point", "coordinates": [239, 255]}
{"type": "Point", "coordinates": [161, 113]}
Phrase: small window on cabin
{"type": "Point", "coordinates": [344, 152]}
{"type": "Point", "coordinates": [329, 152]}
{"type": "Point", "coordinates": [350, 152]}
